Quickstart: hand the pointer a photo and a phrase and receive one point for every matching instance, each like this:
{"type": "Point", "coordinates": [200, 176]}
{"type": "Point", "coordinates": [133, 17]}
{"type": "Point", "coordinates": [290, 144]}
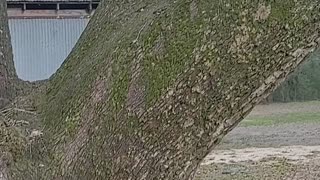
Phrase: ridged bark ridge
{"type": "Point", "coordinates": [7, 71]}
{"type": "Point", "coordinates": [7, 92]}
{"type": "Point", "coordinates": [153, 86]}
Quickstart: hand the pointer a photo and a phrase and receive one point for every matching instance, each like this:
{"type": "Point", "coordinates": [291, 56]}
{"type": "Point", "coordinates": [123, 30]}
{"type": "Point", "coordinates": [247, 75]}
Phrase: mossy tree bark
{"type": "Point", "coordinates": [153, 86]}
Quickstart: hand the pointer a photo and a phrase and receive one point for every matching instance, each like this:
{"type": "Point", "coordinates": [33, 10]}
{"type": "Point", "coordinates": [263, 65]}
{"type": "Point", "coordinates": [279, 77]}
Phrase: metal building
{"type": "Point", "coordinates": [44, 32]}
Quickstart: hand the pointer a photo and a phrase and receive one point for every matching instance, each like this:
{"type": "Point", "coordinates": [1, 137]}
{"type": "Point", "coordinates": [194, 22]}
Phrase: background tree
{"type": "Point", "coordinates": [303, 85]}
{"type": "Point", "coordinates": [153, 86]}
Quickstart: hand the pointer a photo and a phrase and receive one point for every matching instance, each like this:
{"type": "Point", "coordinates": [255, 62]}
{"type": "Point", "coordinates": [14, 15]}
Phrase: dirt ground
{"type": "Point", "coordinates": [289, 151]}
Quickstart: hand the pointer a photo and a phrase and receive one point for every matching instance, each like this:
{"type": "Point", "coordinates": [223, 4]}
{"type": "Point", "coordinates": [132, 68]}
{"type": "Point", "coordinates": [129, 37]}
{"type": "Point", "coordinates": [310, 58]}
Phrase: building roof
{"type": "Point", "coordinates": [51, 8]}
{"type": "Point", "coordinates": [53, 0]}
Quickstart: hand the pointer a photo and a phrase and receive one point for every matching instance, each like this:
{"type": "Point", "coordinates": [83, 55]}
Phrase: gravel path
{"type": "Point", "coordinates": [273, 136]}
{"type": "Point", "coordinates": [286, 108]}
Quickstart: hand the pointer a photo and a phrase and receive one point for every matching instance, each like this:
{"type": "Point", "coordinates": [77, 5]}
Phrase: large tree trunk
{"type": "Point", "coordinates": [153, 86]}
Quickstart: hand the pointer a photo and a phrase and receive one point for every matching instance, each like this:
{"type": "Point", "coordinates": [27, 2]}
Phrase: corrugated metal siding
{"type": "Point", "coordinates": [41, 45]}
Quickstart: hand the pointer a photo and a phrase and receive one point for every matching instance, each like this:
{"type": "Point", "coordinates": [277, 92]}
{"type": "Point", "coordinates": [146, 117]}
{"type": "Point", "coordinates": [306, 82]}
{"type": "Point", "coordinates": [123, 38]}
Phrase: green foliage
{"type": "Point", "coordinates": [303, 84]}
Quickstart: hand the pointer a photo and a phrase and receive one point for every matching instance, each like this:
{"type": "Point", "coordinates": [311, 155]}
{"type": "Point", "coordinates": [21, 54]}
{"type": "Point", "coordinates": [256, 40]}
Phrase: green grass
{"type": "Point", "coordinates": [282, 119]}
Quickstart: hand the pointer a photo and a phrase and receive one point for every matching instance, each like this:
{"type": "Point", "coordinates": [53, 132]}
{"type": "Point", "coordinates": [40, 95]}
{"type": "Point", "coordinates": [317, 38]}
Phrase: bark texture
{"type": "Point", "coordinates": [7, 91]}
{"type": "Point", "coordinates": [7, 71]}
{"type": "Point", "coordinates": [153, 86]}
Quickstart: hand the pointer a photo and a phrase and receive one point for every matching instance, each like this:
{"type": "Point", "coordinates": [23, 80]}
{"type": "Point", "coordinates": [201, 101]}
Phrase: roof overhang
{"type": "Point", "coordinates": [51, 8]}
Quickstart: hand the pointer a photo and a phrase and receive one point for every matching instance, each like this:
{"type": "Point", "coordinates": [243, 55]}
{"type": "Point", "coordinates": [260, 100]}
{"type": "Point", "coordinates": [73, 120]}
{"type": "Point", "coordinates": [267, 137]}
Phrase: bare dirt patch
{"type": "Point", "coordinates": [286, 151]}
{"type": "Point", "coordinates": [306, 134]}
{"type": "Point", "coordinates": [290, 163]}
{"type": "Point", "coordinates": [291, 153]}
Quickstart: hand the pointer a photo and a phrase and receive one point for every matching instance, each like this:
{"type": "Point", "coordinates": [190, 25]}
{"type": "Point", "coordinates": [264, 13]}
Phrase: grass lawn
{"type": "Point", "coordinates": [282, 119]}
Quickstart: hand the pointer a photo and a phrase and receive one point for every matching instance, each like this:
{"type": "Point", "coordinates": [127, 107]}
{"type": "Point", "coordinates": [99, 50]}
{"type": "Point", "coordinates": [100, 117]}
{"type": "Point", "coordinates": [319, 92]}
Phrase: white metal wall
{"type": "Point", "coordinates": [41, 45]}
